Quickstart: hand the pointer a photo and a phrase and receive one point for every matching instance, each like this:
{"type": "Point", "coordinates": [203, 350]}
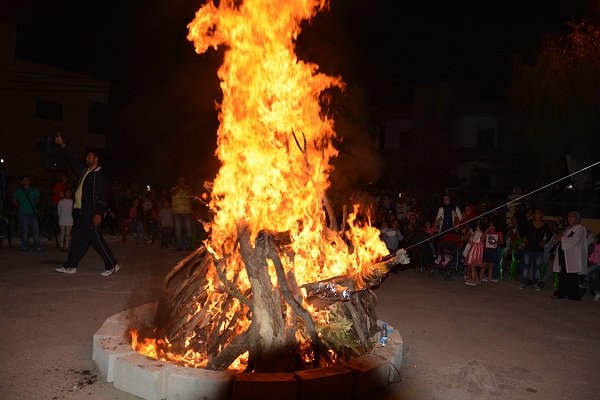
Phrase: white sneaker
{"type": "Point", "coordinates": [597, 297]}
{"type": "Point", "coordinates": [111, 271]}
{"type": "Point", "coordinates": [65, 270]}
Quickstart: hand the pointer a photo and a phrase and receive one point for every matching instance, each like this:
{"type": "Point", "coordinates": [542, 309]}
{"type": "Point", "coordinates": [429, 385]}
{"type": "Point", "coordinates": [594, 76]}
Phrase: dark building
{"type": "Point", "coordinates": [38, 100]}
{"type": "Point", "coordinates": [452, 136]}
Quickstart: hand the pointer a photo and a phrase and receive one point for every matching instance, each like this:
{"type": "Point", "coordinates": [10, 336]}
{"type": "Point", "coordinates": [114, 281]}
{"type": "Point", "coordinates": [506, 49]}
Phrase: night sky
{"type": "Point", "coordinates": [163, 92]}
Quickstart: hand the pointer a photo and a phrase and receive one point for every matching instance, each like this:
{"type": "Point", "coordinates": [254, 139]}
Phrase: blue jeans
{"type": "Point", "coordinates": [138, 228]}
{"type": "Point", "coordinates": [182, 223]}
{"type": "Point", "coordinates": [27, 221]}
{"type": "Point", "coordinates": [531, 260]}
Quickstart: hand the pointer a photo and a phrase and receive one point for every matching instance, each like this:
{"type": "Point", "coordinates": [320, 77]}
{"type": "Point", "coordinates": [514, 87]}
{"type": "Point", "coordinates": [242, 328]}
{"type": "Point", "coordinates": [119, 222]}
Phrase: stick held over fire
{"type": "Point", "coordinates": [338, 288]}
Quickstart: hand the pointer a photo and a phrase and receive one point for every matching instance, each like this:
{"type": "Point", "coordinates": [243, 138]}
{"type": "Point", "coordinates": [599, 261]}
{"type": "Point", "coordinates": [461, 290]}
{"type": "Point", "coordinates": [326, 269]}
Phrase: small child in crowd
{"type": "Point", "coordinates": [430, 228]}
{"type": "Point", "coordinates": [474, 256]}
{"type": "Point", "coordinates": [391, 236]}
{"type": "Point", "coordinates": [593, 274]}
{"type": "Point", "coordinates": [166, 223]}
{"type": "Point", "coordinates": [135, 220]}
{"type": "Point", "coordinates": [492, 240]}
{"type": "Point", "coordinates": [65, 220]}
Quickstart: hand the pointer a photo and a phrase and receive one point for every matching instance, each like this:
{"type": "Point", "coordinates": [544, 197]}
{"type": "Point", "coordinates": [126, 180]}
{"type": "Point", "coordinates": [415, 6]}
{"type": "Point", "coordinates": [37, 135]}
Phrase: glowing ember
{"type": "Point", "coordinates": [275, 147]}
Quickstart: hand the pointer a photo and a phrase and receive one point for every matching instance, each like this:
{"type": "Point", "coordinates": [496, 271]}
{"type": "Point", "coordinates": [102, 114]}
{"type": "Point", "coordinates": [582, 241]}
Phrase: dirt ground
{"type": "Point", "coordinates": [460, 342]}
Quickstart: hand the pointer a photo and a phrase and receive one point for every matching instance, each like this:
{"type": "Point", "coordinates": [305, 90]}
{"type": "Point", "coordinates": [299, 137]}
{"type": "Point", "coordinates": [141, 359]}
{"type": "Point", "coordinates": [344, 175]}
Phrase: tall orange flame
{"type": "Point", "coordinates": [274, 142]}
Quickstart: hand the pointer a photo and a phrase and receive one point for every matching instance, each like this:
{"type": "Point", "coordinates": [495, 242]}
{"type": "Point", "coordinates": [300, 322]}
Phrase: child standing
{"type": "Point", "coordinates": [474, 257]}
{"type": "Point", "coordinates": [166, 222]}
{"type": "Point", "coordinates": [492, 240]}
{"type": "Point", "coordinates": [65, 219]}
{"type": "Point", "coordinates": [135, 220]}
{"type": "Point", "coordinates": [430, 228]}
{"type": "Point", "coordinates": [593, 274]}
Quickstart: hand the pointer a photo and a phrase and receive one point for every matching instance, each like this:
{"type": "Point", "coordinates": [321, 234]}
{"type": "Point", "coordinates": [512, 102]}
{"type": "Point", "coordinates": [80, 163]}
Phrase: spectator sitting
{"type": "Point", "coordinates": [447, 248]}
{"type": "Point", "coordinates": [391, 236]}
{"type": "Point", "coordinates": [410, 227]}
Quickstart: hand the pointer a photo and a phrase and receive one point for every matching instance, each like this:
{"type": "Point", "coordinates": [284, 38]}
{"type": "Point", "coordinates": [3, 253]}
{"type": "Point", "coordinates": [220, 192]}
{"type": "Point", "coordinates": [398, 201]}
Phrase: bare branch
{"type": "Point", "coordinates": [233, 350]}
{"type": "Point", "coordinates": [229, 287]}
{"type": "Point", "coordinates": [290, 299]}
{"type": "Point", "coordinates": [333, 225]}
{"type": "Point", "coordinates": [180, 265]}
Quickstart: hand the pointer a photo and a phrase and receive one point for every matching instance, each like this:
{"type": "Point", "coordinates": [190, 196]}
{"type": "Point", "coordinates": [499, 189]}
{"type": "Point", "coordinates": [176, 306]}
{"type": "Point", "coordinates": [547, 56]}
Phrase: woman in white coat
{"type": "Point", "coordinates": [571, 258]}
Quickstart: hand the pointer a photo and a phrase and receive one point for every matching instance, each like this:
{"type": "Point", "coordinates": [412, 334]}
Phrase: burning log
{"type": "Point", "coordinates": [270, 339]}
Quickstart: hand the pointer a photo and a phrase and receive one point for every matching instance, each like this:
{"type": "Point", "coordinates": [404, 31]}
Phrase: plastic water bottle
{"type": "Point", "coordinates": [384, 337]}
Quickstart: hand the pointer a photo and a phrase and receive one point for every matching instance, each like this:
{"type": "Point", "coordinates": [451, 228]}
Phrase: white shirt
{"type": "Point", "coordinates": [65, 212]}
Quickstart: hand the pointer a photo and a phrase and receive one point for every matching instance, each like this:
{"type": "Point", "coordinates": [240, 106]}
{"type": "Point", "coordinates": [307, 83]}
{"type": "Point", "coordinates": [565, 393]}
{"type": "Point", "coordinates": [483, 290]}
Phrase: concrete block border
{"type": "Point", "coordinates": [150, 379]}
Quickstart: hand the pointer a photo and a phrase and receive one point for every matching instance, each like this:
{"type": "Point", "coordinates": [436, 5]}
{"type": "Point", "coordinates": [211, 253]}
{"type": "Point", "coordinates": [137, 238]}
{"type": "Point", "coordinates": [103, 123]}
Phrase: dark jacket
{"type": "Point", "coordinates": [535, 236]}
{"type": "Point", "coordinates": [94, 194]}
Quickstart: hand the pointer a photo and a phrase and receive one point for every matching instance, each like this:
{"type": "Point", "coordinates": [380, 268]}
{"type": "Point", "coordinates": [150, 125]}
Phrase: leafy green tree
{"type": "Point", "coordinates": [557, 97]}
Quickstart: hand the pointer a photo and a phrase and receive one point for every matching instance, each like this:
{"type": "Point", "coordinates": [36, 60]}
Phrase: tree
{"type": "Point", "coordinates": [558, 96]}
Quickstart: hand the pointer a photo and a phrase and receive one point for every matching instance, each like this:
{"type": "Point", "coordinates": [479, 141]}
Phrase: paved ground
{"type": "Point", "coordinates": [461, 342]}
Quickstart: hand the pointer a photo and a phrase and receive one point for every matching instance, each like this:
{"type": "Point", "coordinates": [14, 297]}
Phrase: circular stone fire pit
{"type": "Point", "coordinates": [150, 379]}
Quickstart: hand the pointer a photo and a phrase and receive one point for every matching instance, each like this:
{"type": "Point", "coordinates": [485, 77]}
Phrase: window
{"type": "Point", "coordinates": [396, 139]}
{"type": "Point", "coordinates": [405, 140]}
{"type": "Point", "coordinates": [48, 110]}
{"type": "Point", "coordinates": [485, 137]}
{"type": "Point", "coordinates": [98, 118]}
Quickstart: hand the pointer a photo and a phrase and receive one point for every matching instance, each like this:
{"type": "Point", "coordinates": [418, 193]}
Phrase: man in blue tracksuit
{"type": "Point", "coordinates": [90, 203]}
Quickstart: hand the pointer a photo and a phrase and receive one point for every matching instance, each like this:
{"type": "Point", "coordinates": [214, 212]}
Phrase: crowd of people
{"type": "Point", "coordinates": [169, 216]}
{"type": "Point", "coordinates": [80, 212]}
{"type": "Point", "coordinates": [479, 241]}
{"type": "Point", "coordinates": [166, 217]}
{"type": "Point", "coordinates": [484, 244]}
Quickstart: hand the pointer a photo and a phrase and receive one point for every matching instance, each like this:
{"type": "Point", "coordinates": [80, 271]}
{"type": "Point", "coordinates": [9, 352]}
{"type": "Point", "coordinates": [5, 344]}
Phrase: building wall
{"type": "Point", "coordinates": [24, 126]}
{"type": "Point", "coordinates": [458, 137]}
{"type": "Point", "coordinates": [469, 130]}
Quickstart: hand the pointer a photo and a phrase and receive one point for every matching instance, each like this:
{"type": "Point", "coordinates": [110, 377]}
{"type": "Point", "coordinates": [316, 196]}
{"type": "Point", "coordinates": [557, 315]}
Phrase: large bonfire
{"type": "Point", "coordinates": [278, 285]}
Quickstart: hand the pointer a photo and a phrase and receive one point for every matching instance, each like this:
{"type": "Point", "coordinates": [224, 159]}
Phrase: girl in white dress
{"type": "Point", "coordinates": [65, 220]}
